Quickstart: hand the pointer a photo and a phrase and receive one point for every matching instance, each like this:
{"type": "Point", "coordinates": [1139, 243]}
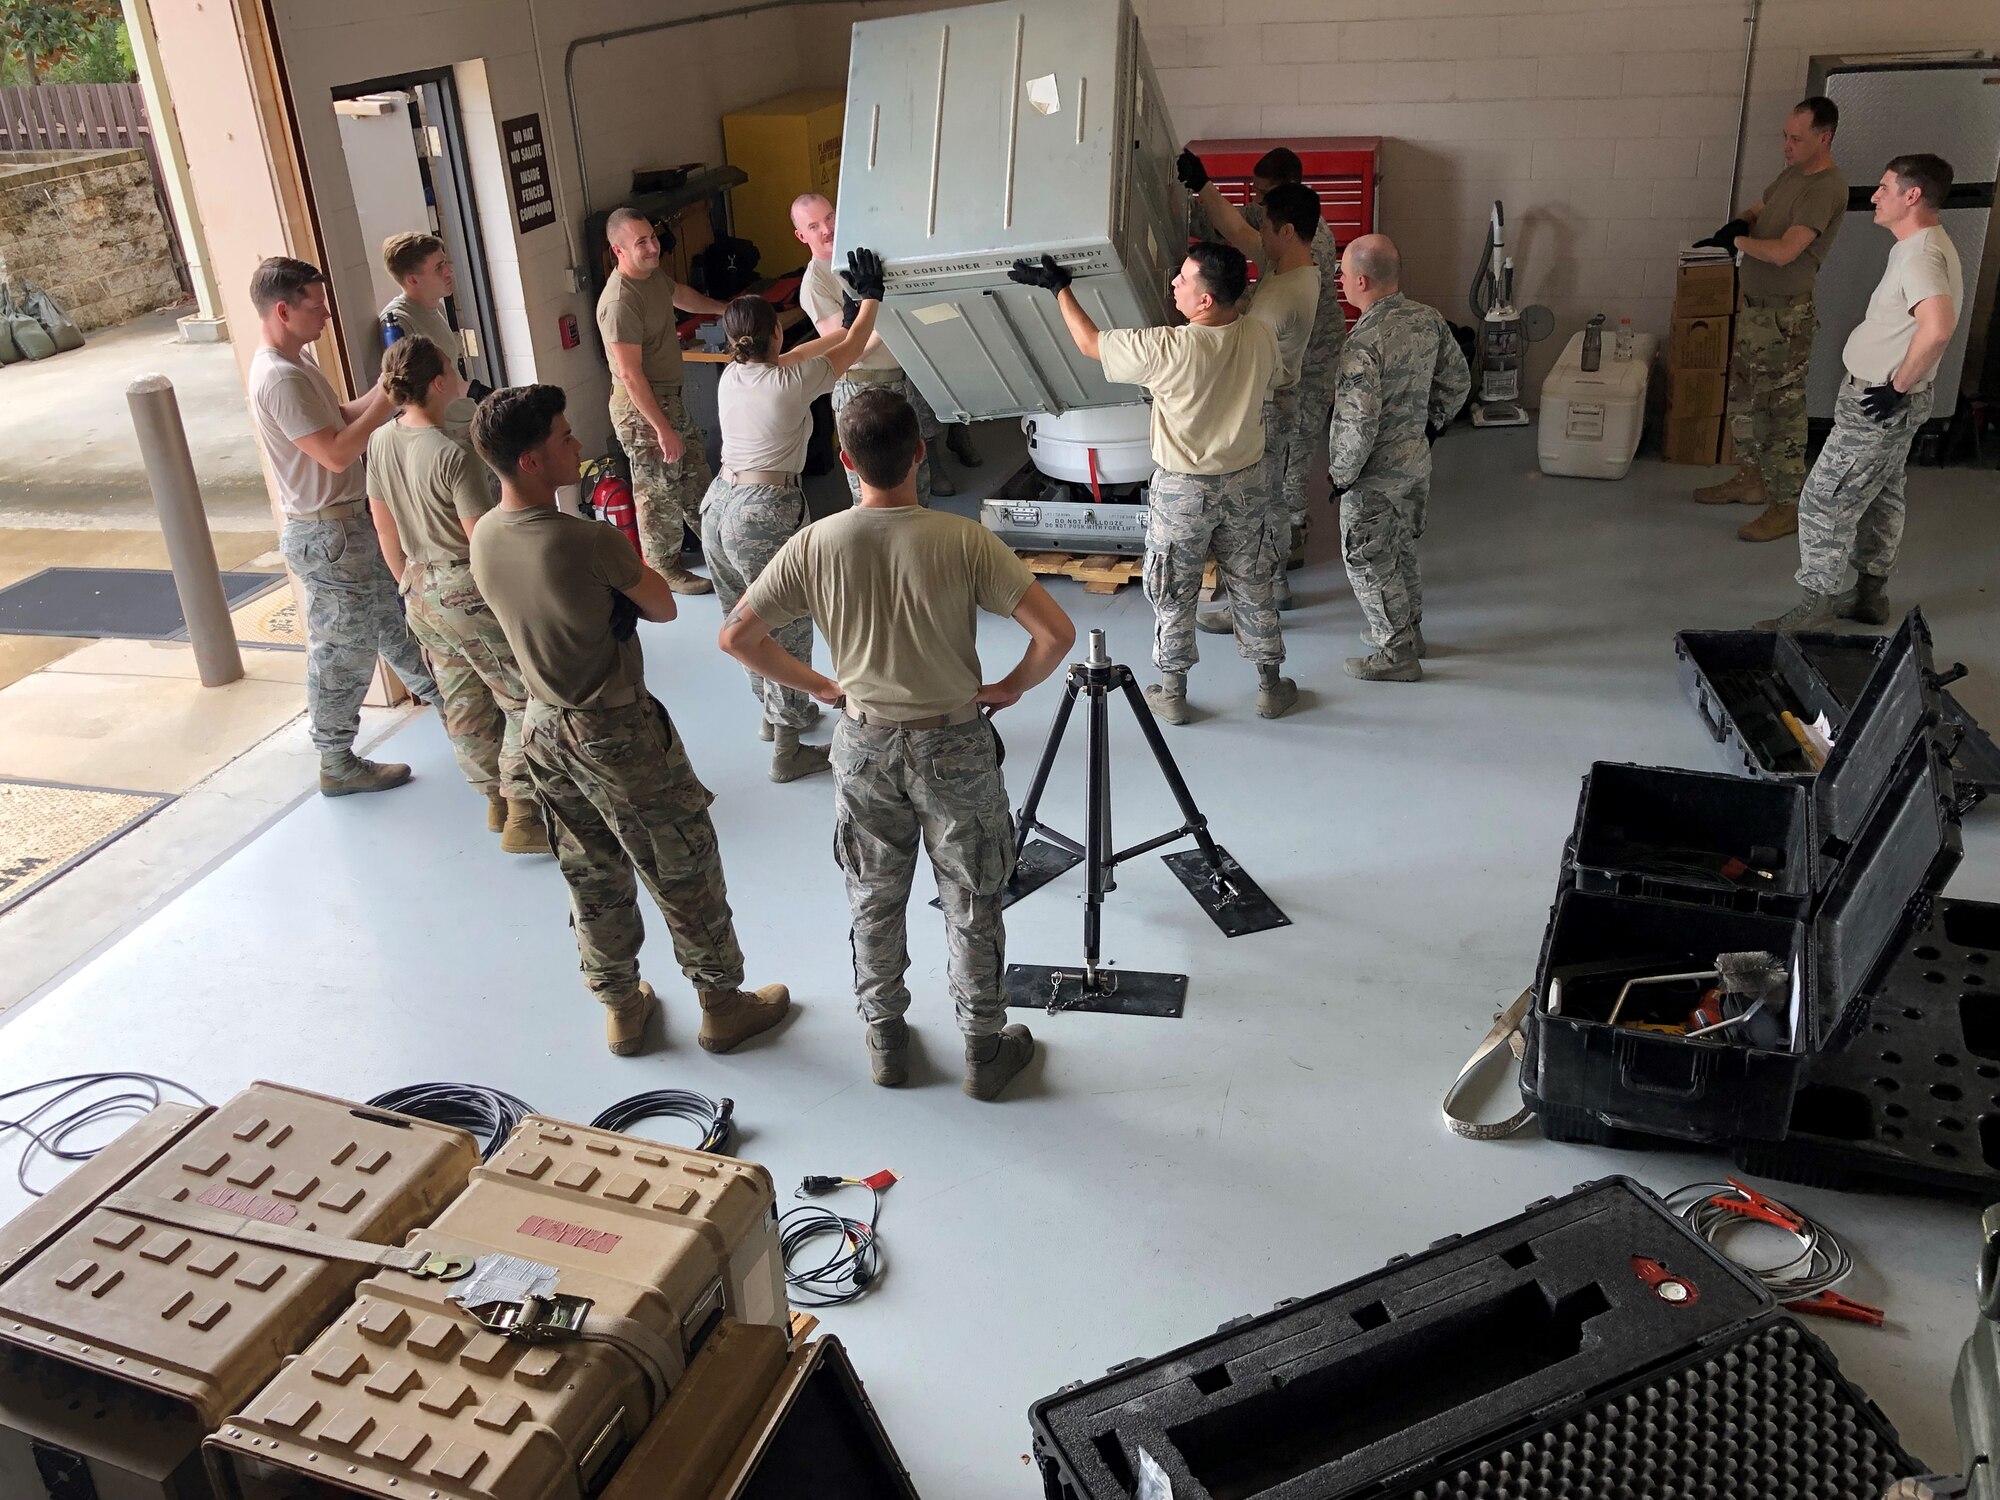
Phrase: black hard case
{"type": "Point", "coordinates": [1875, 836]}
{"type": "Point", "coordinates": [1727, 673]}
{"type": "Point", "coordinates": [1531, 1358]}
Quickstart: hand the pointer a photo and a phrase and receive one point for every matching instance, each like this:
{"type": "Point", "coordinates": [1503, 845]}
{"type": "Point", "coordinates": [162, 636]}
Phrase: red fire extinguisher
{"type": "Point", "coordinates": [611, 500]}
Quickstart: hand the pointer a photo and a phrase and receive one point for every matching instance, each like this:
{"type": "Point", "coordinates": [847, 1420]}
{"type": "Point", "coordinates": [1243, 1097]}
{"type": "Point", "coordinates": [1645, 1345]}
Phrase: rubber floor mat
{"type": "Point", "coordinates": [136, 604]}
{"type": "Point", "coordinates": [271, 619]}
{"type": "Point", "coordinates": [46, 829]}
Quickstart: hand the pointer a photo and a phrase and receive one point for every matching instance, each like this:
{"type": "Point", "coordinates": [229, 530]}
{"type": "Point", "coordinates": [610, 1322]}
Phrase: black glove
{"type": "Point", "coordinates": [1046, 273]}
{"type": "Point", "coordinates": [1193, 175]}
{"type": "Point", "coordinates": [865, 276]}
{"type": "Point", "coordinates": [849, 310]}
{"type": "Point", "coordinates": [1432, 430]}
{"type": "Point", "coordinates": [624, 617]}
{"type": "Point", "coordinates": [1883, 401]}
{"type": "Point", "coordinates": [1336, 491]}
{"type": "Point", "coordinates": [1725, 238]}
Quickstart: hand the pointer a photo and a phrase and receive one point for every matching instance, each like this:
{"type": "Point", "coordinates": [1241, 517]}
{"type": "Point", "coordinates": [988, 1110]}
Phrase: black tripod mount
{"type": "Point", "coordinates": [1233, 901]}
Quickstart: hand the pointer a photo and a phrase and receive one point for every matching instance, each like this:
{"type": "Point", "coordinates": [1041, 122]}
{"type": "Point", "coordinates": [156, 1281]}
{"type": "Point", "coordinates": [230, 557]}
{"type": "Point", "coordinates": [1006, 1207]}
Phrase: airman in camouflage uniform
{"type": "Point", "coordinates": [667, 496]}
{"type": "Point", "coordinates": [1852, 508]}
{"type": "Point", "coordinates": [1230, 517]}
{"type": "Point", "coordinates": [1401, 378]}
{"type": "Point", "coordinates": [620, 800]}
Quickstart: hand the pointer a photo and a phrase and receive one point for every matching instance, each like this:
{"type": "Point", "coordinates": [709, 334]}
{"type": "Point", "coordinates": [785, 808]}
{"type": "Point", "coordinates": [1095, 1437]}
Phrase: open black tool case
{"type": "Point", "coordinates": [1740, 680]}
{"type": "Point", "coordinates": [1591, 1347]}
{"type": "Point", "coordinates": [1667, 869]}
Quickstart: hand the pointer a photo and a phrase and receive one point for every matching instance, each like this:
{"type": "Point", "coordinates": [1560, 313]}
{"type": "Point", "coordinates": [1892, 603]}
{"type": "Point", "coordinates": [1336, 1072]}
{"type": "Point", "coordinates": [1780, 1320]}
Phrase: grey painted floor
{"type": "Point", "coordinates": [1149, 1179]}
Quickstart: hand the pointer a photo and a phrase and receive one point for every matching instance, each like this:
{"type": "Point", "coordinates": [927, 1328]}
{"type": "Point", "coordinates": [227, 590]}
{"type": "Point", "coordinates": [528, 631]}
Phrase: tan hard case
{"type": "Point", "coordinates": [406, 1395]}
{"type": "Point", "coordinates": [123, 1342]}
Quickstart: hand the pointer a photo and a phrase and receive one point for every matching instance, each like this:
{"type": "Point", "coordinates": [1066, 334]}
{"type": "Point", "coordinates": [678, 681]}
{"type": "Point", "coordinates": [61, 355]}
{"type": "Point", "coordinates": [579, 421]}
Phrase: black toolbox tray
{"type": "Point", "coordinates": [1661, 832]}
{"type": "Point", "coordinates": [1536, 1357]}
{"type": "Point", "coordinates": [1730, 674]}
{"type": "Point", "coordinates": [1914, 1096]}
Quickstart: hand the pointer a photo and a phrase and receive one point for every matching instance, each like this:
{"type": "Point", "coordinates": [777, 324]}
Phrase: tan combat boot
{"type": "Point", "coordinates": [1778, 520]}
{"type": "Point", "coordinates": [524, 832]}
{"type": "Point", "coordinates": [1275, 694]}
{"type": "Point", "coordinates": [681, 581]}
{"type": "Point", "coordinates": [496, 810]}
{"type": "Point", "coordinates": [342, 773]}
{"type": "Point", "coordinates": [730, 1018]}
{"type": "Point", "coordinates": [991, 1062]}
{"type": "Point", "coordinates": [790, 760]}
{"type": "Point", "coordinates": [1812, 612]}
{"type": "Point", "coordinates": [625, 1025]}
{"type": "Point", "coordinates": [1168, 697]}
{"type": "Point", "coordinates": [889, 1052]}
{"type": "Point", "coordinates": [1745, 486]}
{"type": "Point", "coordinates": [1867, 601]}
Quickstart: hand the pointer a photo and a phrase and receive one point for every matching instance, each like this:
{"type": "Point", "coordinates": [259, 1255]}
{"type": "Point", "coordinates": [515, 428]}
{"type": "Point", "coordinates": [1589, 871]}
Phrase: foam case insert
{"type": "Point", "coordinates": [1531, 1358]}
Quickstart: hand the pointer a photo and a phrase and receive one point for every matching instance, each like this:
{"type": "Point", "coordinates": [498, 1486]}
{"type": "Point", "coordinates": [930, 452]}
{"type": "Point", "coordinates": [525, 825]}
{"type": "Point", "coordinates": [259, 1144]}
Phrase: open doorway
{"type": "Point", "coordinates": [406, 158]}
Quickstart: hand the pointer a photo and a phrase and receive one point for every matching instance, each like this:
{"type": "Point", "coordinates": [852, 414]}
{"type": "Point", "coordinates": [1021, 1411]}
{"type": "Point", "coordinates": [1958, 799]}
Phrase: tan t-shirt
{"type": "Point", "coordinates": [896, 594]}
{"type": "Point", "coordinates": [1924, 265]}
{"type": "Point", "coordinates": [766, 413]}
{"type": "Point", "coordinates": [549, 578]}
{"type": "Point", "coordinates": [1819, 202]}
{"type": "Point", "coordinates": [1288, 303]}
{"type": "Point", "coordinates": [1208, 387]}
{"type": "Point", "coordinates": [431, 485]}
{"type": "Point", "coordinates": [426, 322]}
{"type": "Point", "coordinates": [291, 399]}
{"type": "Point", "coordinates": [820, 292]}
{"type": "Point", "coordinates": [643, 313]}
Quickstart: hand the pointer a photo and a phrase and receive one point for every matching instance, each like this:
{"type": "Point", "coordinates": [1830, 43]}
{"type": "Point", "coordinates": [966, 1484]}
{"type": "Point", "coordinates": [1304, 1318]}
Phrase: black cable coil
{"type": "Point", "coordinates": [487, 1112]}
{"type": "Point", "coordinates": [716, 1118]}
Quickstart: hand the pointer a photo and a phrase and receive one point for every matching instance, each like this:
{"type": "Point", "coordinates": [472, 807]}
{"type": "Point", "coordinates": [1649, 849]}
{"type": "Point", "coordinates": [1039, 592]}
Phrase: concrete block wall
{"type": "Point", "coordinates": [86, 228]}
{"type": "Point", "coordinates": [1605, 126]}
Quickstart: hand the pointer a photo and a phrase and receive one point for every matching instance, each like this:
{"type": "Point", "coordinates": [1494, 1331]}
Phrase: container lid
{"type": "Point", "coordinates": [1866, 915]}
{"type": "Point", "coordinates": [1899, 700]}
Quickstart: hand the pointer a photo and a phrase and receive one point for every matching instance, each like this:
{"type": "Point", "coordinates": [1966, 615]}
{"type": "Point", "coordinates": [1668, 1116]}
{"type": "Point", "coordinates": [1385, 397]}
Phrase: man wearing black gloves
{"type": "Point", "coordinates": [1781, 240]}
{"type": "Point", "coordinates": [1852, 507]}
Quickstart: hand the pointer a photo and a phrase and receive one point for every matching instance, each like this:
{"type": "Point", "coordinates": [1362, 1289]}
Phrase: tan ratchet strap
{"type": "Point", "coordinates": [1506, 1033]}
{"type": "Point", "coordinates": [414, 1260]}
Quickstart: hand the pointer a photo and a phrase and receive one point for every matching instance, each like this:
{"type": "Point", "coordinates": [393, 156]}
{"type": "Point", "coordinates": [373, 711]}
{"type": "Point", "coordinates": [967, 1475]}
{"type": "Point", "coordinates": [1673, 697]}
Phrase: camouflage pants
{"type": "Point", "coordinates": [847, 388]}
{"type": "Point", "coordinates": [617, 792]}
{"type": "Point", "coordinates": [353, 615]}
{"type": "Point", "coordinates": [1852, 507]}
{"type": "Point", "coordinates": [1767, 392]}
{"type": "Point", "coordinates": [666, 495]}
{"type": "Point", "coordinates": [742, 528]}
{"type": "Point", "coordinates": [1191, 517]}
{"type": "Point", "coordinates": [892, 788]}
{"type": "Point", "coordinates": [1379, 528]}
{"type": "Point", "coordinates": [476, 674]}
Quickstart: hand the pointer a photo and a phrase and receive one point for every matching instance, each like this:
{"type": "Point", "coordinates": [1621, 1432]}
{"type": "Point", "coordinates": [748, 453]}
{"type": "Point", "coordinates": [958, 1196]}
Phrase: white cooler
{"type": "Point", "coordinates": [1591, 419]}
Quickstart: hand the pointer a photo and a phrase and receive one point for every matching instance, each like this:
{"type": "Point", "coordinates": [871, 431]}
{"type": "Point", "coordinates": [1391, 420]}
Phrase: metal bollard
{"type": "Point", "coordinates": [156, 414]}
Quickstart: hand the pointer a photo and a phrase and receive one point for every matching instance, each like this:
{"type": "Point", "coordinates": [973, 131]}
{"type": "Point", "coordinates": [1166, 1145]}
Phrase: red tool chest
{"type": "Point", "coordinates": [1342, 169]}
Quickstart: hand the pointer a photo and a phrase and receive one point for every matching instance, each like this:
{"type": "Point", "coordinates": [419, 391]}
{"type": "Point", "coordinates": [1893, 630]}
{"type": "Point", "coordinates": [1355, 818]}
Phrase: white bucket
{"type": "Point", "coordinates": [1120, 438]}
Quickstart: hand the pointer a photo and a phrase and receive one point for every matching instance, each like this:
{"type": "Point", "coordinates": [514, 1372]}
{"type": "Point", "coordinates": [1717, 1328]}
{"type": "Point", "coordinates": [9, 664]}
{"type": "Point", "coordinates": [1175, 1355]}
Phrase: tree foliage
{"type": "Point", "coordinates": [44, 35]}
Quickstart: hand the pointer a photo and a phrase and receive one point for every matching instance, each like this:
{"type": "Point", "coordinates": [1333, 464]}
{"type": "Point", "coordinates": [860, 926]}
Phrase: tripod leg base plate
{"type": "Point", "coordinates": [1236, 904]}
{"type": "Point", "coordinates": [1038, 863]}
{"type": "Point", "coordinates": [1121, 992]}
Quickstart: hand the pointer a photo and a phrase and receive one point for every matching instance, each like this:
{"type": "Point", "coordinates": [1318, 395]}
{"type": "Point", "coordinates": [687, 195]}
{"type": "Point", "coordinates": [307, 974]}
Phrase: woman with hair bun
{"type": "Point", "coordinates": [426, 488]}
{"type": "Point", "coordinates": [755, 504]}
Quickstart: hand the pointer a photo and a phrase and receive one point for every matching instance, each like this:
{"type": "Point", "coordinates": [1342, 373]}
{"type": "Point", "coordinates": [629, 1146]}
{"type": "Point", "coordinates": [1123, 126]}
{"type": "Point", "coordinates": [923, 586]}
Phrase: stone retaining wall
{"type": "Point", "coordinates": [85, 226]}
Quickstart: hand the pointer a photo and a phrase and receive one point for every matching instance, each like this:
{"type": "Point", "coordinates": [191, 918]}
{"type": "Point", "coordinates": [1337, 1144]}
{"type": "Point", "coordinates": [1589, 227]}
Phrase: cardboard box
{"type": "Point", "coordinates": [789, 145]}
{"type": "Point", "coordinates": [1705, 292]}
{"type": "Point", "coordinates": [1697, 393]}
{"type": "Point", "coordinates": [1691, 440]}
{"type": "Point", "coordinates": [1701, 343]}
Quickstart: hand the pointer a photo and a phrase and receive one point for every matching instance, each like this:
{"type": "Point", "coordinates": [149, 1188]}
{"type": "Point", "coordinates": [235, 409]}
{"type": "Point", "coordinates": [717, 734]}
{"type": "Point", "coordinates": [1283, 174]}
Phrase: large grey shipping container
{"type": "Point", "coordinates": [979, 135]}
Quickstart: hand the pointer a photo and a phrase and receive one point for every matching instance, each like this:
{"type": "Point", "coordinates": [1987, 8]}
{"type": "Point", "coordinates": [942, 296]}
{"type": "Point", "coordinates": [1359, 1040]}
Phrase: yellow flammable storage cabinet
{"type": "Point", "coordinates": [133, 1319]}
{"type": "Point", "coordinates": [603, 1263]}
{"type": "Point", "coordinates": [788, 145]}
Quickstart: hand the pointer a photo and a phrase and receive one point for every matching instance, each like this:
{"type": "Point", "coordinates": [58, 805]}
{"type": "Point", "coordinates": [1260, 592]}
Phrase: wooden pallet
{"type": "Point", "coordinates": [1101, 572]}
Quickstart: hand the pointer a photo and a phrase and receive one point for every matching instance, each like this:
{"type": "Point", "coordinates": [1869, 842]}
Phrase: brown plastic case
{"type": "Point", "coordinates": [406, 1395]}
{"type": "Point", "coordinates": [124, 1342]}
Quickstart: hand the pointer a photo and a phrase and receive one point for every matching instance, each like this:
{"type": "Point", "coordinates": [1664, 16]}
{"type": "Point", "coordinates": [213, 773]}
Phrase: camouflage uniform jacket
{"type": "Point", "coordinates": [1400, 371]}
